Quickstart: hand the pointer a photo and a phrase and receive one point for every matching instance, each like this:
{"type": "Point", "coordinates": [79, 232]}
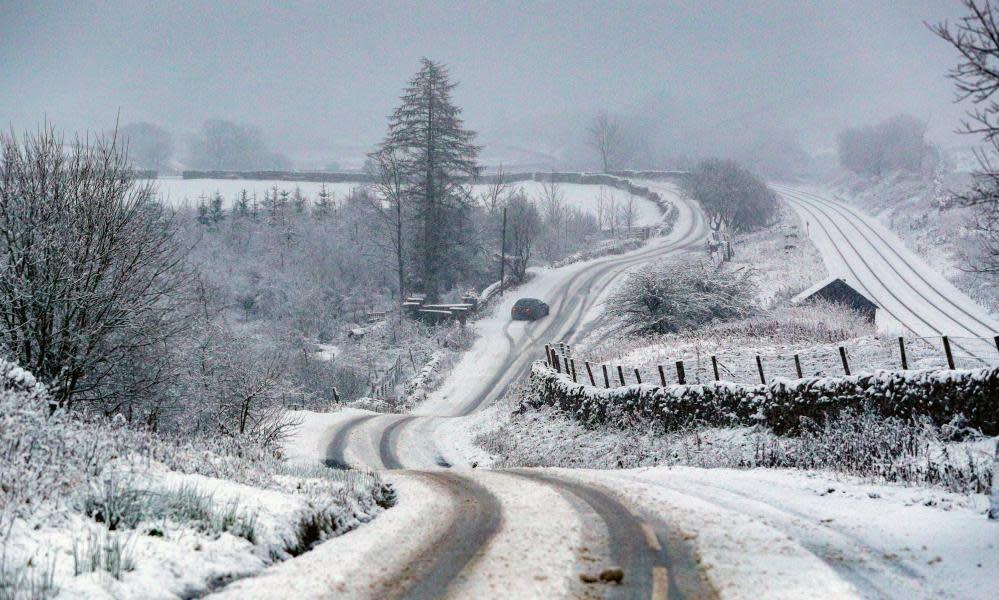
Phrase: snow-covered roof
{"type": "Point", "coordinates": [811, 291]}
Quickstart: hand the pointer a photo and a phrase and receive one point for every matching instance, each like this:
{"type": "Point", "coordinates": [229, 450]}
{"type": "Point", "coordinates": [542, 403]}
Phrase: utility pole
{"type": "Point", "coordinates": [503, 253]}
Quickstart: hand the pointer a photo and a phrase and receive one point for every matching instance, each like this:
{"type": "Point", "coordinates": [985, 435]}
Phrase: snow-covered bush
{"type": "Point", "coordinates": [782, 404]}
{"type": "Point", "coordinates": [680, 296]}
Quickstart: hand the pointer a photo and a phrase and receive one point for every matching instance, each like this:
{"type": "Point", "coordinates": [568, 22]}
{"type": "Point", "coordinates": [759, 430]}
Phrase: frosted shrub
{"type": "Point", "coordinates": [680, 297]}
{"type": "Point", "coordinates": [115, 502]}
{"type": "Point", "coordinates": [34, 445]}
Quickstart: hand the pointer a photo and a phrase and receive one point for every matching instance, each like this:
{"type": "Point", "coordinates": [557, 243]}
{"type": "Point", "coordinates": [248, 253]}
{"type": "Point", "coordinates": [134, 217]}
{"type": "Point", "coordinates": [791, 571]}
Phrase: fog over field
{"type": "Point", "coordinates": [716, 76]}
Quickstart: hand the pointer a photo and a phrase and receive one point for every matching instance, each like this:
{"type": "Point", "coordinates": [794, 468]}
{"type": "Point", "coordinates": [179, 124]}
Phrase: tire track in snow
{"type": "Point", "coordinates": [604, 276]}
{"type": "Point", "coordinates": [336, 452]}
{"type": "Point", "coordinates": [388, 446]}
{"type": "Point", "coordinates": [518, 362]}
{"type": "Point", "coordinates": [858, 572]}
{"type": "Point", "coordinates": [633, 544]}
{"type": "Point", "coordinates": [479, 518]}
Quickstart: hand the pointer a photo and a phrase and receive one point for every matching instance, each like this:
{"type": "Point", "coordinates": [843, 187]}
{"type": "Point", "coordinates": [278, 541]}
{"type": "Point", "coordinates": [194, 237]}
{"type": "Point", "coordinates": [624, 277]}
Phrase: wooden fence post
{"type": "Point", "coordinates": [606, 378]}
{"type": "Point", "coordinates": [842, 355]}
{"type": "Point", "coordinates": [680, 375]}
{"type": "Point", "coordinates": [997, 343]}
{"type": "Point", "coordinates": [797, 366]}
{"type": "Point", "coordinates": [759, 367]}
{"type": "Point", "coordinates": [558, 368]}
{"type": "Point", "coordinates": [548, 355]}
{"type": "Point", "coordinates": [950, 355]}
{"type": "Point", "coordinates": [572, 363]}
{"type": "Point", "coordinates": [638, 377]}
{"type": "Point", "coordinates": [901, 350]}
{"type": "Point", "coordinates": [589, 372]}
{"type": "Point", "coordinates": [662, 376]}
{"type": "Point", "coordinates": [620, 375]}
{"type": "Point", "coordinates": [714, 367]}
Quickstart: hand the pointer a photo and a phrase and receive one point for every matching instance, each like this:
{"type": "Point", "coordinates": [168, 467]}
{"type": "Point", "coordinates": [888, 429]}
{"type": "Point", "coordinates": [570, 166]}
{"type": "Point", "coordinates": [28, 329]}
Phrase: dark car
{"type": "Point", "coordinates": [529, 309]}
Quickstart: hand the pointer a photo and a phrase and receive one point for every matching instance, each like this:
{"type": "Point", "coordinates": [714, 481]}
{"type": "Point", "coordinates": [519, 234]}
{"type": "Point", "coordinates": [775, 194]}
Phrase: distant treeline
{"type": "Point", "coordinates": [613, 178]}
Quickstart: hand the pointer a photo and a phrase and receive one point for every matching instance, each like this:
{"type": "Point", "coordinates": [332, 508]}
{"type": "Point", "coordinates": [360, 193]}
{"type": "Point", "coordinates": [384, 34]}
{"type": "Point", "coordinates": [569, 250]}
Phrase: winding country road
{"type": "Point", "coordinates": [530, 533]}
{"type": "Point", "coordinates": [505, 350]}
{"type": "Point", "coordinates": [505, 355]}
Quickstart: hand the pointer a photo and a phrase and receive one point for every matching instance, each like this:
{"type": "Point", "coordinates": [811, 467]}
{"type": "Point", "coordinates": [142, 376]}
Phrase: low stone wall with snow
{"type": "Point", "coordinates": [938, 394]}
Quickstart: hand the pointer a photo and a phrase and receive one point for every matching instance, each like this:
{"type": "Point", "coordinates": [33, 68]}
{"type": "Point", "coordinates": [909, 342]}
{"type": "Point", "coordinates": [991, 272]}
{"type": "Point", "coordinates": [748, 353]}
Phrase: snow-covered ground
{"type": "Point", "coordinates": [910, 293]}
{"type": "Point", "coordinates": [769, 533]}
{"type": "Point", "coordinates": [785, 534]}
{"type": "Point", "coordinates": [96, 509]}
{"type": "Point", "coordinates": [178, 192]}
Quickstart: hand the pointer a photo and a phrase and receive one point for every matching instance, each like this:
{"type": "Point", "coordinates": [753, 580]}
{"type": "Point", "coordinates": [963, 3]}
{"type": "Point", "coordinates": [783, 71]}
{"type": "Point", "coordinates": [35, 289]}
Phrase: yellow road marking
{"type": "Point", "coordinates": [650, 537]}
{"type": "Point", "coordinates": [660, 583]}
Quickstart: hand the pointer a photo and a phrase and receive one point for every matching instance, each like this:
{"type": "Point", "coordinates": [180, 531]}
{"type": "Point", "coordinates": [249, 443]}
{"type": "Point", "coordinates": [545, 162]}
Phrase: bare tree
{"type": "Point", "coordinates": [222, 144]}
{"type": "Point", "coordinates": [606, 137]}
{"type": "Point", "coordinates": [732, 197]}
{"type": "Point", "coordinates": [976, 38]}
{"type": "Point", "coordinates": [90, 270]}
{"type": "Point", "coordinates": [602, 202]}
{"type": "Point", "coordinates": [388, 202]}
{"type": "Point", "coordinates": [552, 202]}
{"type": "Point", "coordinates": [613, 215]}
{"type": "Point", "coordinates": [244, 390]}
{"type": "Point", "coordinates": [149, 146]}
{"type": "Point", "coordinates": [525, 224]}
{"type": "Point", "coordinates": [629, 212]}
{"type": "Point", "coordinates": [496, 193]}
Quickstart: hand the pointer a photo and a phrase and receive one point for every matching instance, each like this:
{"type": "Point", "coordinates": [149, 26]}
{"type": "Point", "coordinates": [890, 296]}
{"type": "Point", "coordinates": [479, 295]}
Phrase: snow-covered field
{"type": "Point", "coordinates": [179, 192]}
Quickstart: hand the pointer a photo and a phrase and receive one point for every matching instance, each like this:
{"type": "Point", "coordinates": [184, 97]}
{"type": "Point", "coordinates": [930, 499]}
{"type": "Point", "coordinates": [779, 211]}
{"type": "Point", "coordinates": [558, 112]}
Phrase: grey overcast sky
{"type": "Point", "coordinates": [322, 75]}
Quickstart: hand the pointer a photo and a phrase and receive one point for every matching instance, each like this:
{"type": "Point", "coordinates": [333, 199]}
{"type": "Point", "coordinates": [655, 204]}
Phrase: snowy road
{"type": "Point", "coordinates": [591, 530]}
{"type": "Point", "coordinates": [674, 533]}
{"type": "Point", "coordinates": [502, 355]}
{"type": "Point", "coordinates": [917, 299]}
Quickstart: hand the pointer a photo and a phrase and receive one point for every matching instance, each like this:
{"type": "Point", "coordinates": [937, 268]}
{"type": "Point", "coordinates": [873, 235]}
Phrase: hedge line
{"type": "Point", "coordinates": [938, 394]}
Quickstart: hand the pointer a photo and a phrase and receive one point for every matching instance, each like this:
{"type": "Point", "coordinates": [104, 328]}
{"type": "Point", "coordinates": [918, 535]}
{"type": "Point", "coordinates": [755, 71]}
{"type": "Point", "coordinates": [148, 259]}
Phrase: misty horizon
{"type": "Point", "coordinates": [319, 81]}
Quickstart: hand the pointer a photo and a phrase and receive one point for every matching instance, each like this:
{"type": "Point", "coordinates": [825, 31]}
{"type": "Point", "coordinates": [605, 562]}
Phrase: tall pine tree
{"type": "Point", "coordinates": [437, 160]}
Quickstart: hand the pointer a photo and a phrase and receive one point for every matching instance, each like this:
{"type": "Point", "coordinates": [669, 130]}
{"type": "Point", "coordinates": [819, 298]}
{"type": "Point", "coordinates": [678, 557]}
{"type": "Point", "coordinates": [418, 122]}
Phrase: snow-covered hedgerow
{"type": "Point", "coordinates": [95, 508]}
{"type": "Point", "coordinates": [781, 404]}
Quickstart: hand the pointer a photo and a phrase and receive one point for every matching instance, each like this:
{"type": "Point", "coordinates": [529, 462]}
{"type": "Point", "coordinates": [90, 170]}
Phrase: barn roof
{"type": "Point", "coordinates": [837, 282]}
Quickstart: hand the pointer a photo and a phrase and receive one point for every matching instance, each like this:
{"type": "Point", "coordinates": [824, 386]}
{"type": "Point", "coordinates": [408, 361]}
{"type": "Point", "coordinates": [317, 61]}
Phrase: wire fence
{"type": "Point", "coordinates": [850, 358]}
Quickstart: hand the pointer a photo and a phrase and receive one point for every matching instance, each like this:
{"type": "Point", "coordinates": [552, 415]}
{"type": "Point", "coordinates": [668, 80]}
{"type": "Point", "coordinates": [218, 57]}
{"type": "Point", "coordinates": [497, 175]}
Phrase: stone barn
{"type": "Point", "coordinates": [836, 290]}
